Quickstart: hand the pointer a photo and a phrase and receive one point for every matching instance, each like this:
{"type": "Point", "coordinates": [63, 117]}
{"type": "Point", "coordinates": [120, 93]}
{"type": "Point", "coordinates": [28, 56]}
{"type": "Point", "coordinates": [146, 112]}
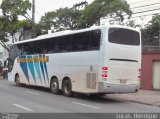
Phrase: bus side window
{"type": "Point", "coordinates": [19, 50]}
{"type": "Point", "coordinates": [25, 51]}
{"type": "Point", "coordinates": [80, 41]}
{"type": "Point", "coordinates": [45, 51]}
{"type": "Point", "coordinates": [38, 47]}
{"type": "Point", "coordinates": [49, 45]}
{"type": "Point", "coordinates": [95, 39]}
{"type": "Point", "coordinates": [68, 43]}
{"type": "Point", "coordinates": [76, 43]}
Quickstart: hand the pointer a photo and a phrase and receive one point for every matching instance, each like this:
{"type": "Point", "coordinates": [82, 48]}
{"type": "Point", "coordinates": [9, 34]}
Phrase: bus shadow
{"type": "Point", "coordinates": [37, 88]}
{"type": "Point", "coordinates": [99, 99]}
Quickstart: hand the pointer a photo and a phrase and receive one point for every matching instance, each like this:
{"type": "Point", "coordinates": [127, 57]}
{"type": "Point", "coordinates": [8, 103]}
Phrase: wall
{"type": "Point", "coordinates": [147, 62]}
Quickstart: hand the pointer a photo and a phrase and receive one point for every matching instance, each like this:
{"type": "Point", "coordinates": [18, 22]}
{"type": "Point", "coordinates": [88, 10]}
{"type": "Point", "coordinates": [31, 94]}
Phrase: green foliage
{"type": "Point", "coordinates": [3, 33]}
{"type": "Point", "coordinates": [131, 23]}
{"type": "Point", "coordinates": [11, 9]}
{"type": "Point", "coordinates": [104, 8]}
{"type": "Point", "coordinates": [62, 19]}
{"type": "Point", "coordinates": [3, 25]}
{"type": "Point", "coordinates": [151, 33]}
{"type": "Point", "coordinates": [65, 18]}
{"type": "Point", "coordinates": [9, 23]}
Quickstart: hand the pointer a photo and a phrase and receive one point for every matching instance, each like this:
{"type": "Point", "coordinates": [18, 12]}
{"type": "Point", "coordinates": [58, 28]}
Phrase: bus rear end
{"type": "Point", "coordinates": [121, 65]}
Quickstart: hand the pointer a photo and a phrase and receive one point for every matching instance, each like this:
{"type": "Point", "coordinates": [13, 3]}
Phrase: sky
{"type": "Point", "coordinates": [43, 6]}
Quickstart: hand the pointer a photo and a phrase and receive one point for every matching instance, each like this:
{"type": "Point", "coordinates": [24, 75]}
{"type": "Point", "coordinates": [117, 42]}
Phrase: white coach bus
{"type": "Point", "coordinates": [96, 60]}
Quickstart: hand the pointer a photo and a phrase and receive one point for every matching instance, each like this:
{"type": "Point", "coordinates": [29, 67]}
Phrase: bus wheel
{"type": "Point", "coordinates": [17, 80]}
{"type": "Point", "coordinates": [67, 88]}
{"type": "Point", "coordinates": [54, 86]}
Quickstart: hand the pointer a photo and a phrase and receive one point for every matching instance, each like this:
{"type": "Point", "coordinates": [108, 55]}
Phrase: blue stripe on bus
{"type": "Point", "coordinates": [31, 68]}
{"type": "Point", "coordinates": [24, 68]}
{"type": "Point", "coordinates": [46, 71]}
{"type": "Point", "coordinates": [42, 69]}
{"type": "Point", "coordinates": [36, 65]}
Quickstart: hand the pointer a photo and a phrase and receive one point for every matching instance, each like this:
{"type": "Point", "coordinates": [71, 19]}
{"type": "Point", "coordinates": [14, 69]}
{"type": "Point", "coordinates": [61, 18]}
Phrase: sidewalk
{"type": "Point", "coordinates": [149, 97]}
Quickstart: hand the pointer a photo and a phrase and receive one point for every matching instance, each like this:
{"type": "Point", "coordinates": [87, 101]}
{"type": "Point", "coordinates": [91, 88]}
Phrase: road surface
{"type": "Point", "coordinates": [40, 100]}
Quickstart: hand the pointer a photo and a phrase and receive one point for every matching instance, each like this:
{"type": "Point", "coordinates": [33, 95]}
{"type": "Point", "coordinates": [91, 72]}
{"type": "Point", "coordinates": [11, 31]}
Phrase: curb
{"type": "Point", "coordinates": [144, 103]}
{"type": "Point", "coordinates": [135, 101]}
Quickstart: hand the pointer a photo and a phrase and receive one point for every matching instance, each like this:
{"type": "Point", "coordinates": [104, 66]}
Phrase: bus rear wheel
{"type": "Point", "coordinates": [67, 88]}
{"type": "Point", "coordinates": [54, 86]}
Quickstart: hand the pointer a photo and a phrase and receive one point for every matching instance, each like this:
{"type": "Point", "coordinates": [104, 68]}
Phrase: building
{"type": "Point", "coordinates": [150, 71]}
{"type": "Point", "coordinates": [150, 78]}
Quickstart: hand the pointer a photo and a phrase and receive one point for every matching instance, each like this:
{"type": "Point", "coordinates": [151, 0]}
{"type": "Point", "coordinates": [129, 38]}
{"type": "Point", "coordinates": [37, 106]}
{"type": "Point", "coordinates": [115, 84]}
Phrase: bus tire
{"type": "Point", "coordinates": [17, 80]}
{"type": "Point", "coordinates": [67, 88]}
{"type": "Point", "coordinates": [54, 86]}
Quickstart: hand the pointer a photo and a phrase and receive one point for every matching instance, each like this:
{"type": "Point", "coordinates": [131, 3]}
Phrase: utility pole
{"type": "Point", "coordinates": [81, 4]}
{"type": "Point", "coordinates": [33, 19]}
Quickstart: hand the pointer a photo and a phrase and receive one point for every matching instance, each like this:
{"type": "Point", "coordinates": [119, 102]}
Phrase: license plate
{"type": "Point", "coordinates": [123, 81]}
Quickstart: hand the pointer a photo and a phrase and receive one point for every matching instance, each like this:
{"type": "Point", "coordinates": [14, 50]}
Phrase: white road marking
{"type": "Point", "coordinates": [23, 107]}
{"type": "Point", "coordinates": [3, 86]}
{"type": "Point", "coordinates": [33, 93]}
{"type": "Point", "coordinates": [86, 105]}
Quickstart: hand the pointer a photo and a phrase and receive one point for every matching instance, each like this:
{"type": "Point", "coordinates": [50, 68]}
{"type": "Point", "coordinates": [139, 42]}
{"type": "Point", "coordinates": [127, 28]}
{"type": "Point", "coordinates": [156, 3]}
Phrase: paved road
{"type": "Point", "coordinates": [40, 100]}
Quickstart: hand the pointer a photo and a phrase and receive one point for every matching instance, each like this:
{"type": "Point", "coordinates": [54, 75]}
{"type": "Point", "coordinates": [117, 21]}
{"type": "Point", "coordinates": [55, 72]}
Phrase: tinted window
{"type": "Point", "coordinates": [12, 54]}
{"type": "Point", "coordinates": [95, 39]}
{"type": "Point", "coordinates": [85, 41]}
{"type": "Point", "coordinates": [64, 43]}
{"type": "Point", "coordinates": [49, 45]}
{"type": "Point", "coordinates": [81, 41]}
{"type": "Point", "coordinates": [124, 36]}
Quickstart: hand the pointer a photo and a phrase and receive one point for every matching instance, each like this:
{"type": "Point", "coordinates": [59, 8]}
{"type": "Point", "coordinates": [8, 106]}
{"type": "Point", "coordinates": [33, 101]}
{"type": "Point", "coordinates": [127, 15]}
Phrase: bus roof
{"type": "Point", "coordinates": [68, 32]}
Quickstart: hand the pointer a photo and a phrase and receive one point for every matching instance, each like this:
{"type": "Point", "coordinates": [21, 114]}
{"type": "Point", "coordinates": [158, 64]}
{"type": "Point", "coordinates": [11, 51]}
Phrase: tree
{"type": "Point", "coordinates": [47, 21]}
{"type": "Point", "coordinates": [10, 28]}
{"type": "Point", "coordinates": [66, 18]}
{"type": "Point", "coordinates": [3, 33]}
{"type": "Point", "coordinates": [104, 8]}
{"type": "Point", "coordinates": [10, 24]}
{"type": "Point", "coordinates": [12, 9]}
{"type": "Point", "coordinates": [131, 23]}
{"type": "Point", "coordinates": [61, 19]}
{"type": "Point", "coordinates": [151, 33]}
{"type": "Point", "coordinates": [23, 25]}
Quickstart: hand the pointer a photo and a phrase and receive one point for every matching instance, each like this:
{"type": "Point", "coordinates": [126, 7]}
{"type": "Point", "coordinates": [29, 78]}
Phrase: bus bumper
{"type": "Point", "coordinates": [113, 88]}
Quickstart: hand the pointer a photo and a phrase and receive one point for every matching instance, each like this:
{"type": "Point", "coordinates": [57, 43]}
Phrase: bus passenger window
{"type": "Point", "coordinates": [95, 39]}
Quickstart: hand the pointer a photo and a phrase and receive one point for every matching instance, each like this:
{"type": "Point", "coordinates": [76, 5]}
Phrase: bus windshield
{"type": "Point", "coordinates": [124, 36]}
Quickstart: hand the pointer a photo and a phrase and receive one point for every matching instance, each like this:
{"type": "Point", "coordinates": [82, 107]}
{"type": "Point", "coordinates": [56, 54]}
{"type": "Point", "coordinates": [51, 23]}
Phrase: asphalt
{"type": "Point", "coordinates": [148, 97]}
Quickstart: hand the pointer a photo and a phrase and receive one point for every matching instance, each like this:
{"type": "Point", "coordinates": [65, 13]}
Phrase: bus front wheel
{"type": "Point", "coordinates": [54, 86]}
{"type": "Point", "coordinates": [67, 88]}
